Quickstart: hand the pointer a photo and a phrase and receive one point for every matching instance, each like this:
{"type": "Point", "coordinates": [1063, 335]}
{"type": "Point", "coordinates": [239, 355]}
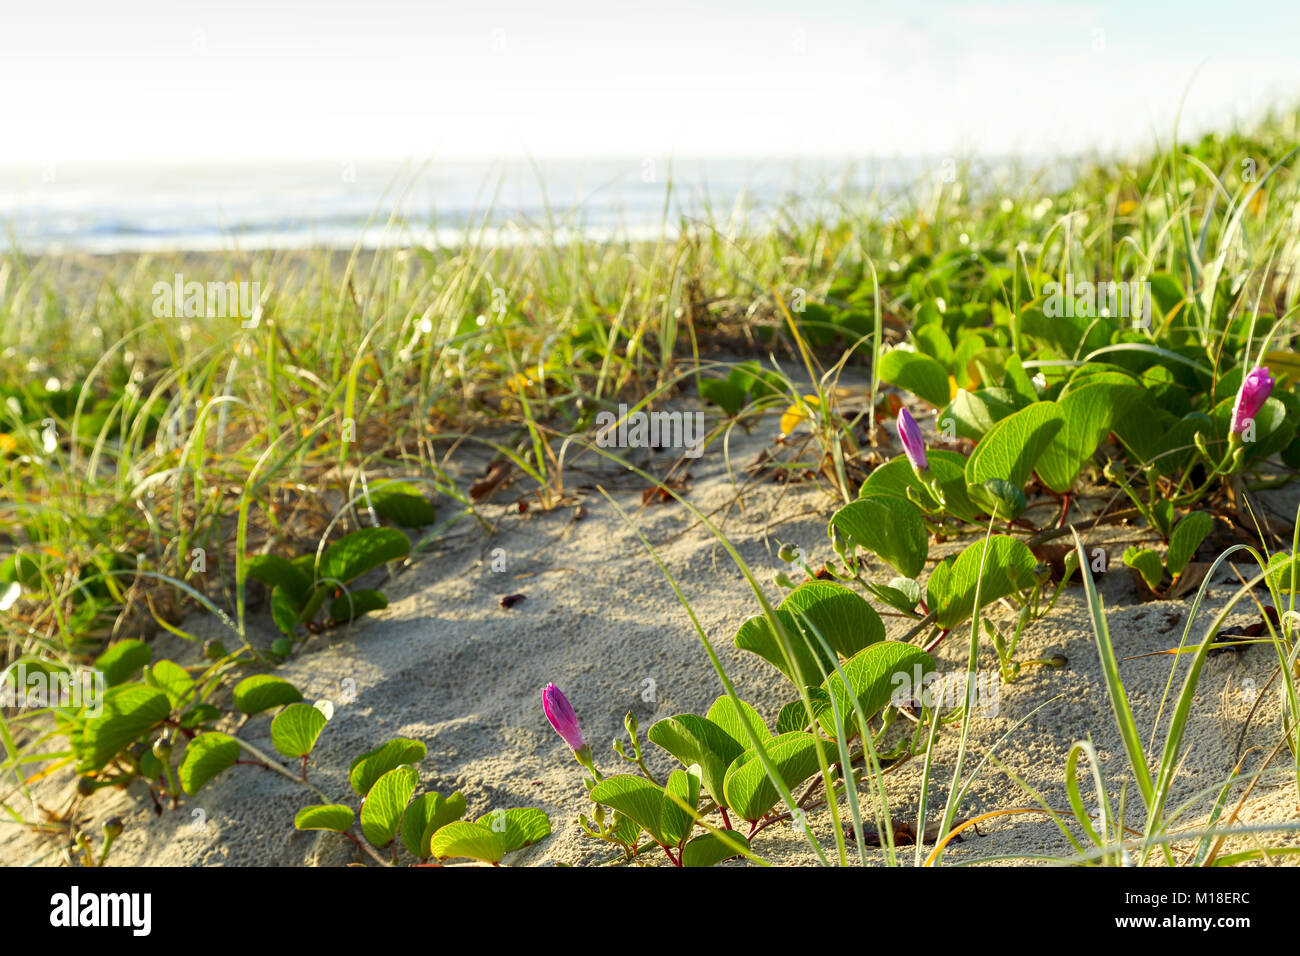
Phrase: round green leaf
{"type": "Point", "coordinates": [362, 551]}
{"type": "Point", "coordinates": [127, 712]}
{"type": "Point", "coordinates": [517, 827]}
{"type": "Point", "coordinates": [710, 849]}
{"type": "Point", "coordinates": [402, 503]}
{"type": "Point", "coordinates": [1089, 411]}
{"type": "Point", "coordinates": [277, 572]}
{"type": "Point", "coordinates": [352, 604]}
{"type": "Point", "coordinates": [676, 821]}
{"type": "Point", "coordinates": [370, 766]}
{"type": "Point", "coordinates": [874, 676]}
{"type": "Point", "coordinates": [1011, 448]}
{"type": "Point", "coordinates": [888, 527]}
{"type": "Point", "coordinates": [1186, 538]}
{"type": "Point", "coordinates": [1147, 563]}
{"type": "Point", "coordinates": [1008, 567]}
{"type": "Point", "coordinates": [635, 797]}
{"type": "Point", "coordinates": [263, 691]}
{"type": "Point", "coordinates": [123, 661]}
{"type": "Point", "coordinates": [170, 678]}
{"type": "Point", "coordinates": [205, 757]}
{"type": "Point", "coordinates": [749, 790]}
{"type": "Point", "coordinates": [918, 373]}
{"type": "Point", "coordinates": [287, 612]}
{"type": "Point", "coordinates": [472, 840]}
{"type": "Point", "coordinates": [295, 729]}
{"type": "Point", "coordinates": [427, 814]}
{"type": "Point", "coordinates": [842, 618]}
{"type": "Point", "coordinates": [387, 800]}
{"type": "Point", "coordinates": [697, 740]}
{"type": "Point", "coordinates": [327, 816]}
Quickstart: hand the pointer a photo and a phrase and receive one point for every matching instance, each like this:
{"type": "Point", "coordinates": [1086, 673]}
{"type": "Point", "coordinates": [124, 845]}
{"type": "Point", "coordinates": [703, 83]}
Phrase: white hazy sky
{"type": "Point", "coordinates": [179, 81]}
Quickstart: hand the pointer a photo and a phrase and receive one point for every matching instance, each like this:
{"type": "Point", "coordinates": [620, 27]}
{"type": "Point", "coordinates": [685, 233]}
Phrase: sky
{"type": "Point", "coordinates": [340, 80]}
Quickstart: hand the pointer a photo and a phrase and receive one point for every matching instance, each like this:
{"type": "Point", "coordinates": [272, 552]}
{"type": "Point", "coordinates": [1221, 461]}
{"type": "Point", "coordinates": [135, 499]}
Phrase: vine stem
{"type": "Point", "coordinates": [275, 765]}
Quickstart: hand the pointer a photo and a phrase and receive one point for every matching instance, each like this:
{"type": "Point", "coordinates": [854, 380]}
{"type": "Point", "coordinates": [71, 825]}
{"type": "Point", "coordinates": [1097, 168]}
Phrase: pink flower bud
{"type": "Point", "coordinates": [1254, 391]}
{"type": "Point", "coordinates": [560, 713]}
{"type": "Point", "coordinates": [913, 444]}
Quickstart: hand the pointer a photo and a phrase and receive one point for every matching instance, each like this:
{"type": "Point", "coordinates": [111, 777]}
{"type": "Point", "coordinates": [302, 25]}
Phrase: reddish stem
{"type": "Point", "coordinates": [1065, 510]}
{"type": "Point", "coordinates": [935, 642]}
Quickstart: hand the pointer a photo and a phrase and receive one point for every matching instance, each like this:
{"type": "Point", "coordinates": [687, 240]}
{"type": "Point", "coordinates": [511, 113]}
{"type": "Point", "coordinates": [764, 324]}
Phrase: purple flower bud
{"type": "Point", "coordinates": [1254, 391]}
{"type": "Point", "coordinates": [913, 444]}
{"type": "Point", "coordinates": [560, 713]}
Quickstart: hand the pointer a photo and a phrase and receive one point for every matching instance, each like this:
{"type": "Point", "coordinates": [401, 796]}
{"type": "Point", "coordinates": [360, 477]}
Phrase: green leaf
{"type": "Point", "coordinates": [844, 620]}
{"type": "Point", "coordinates": [277, 572]}
{"type": "Point", "coordinates": [1019, 381]}
{"type": "Point", "coordinates": [708, 849]}
{"type": "Point", "coordinates": [252, 695]}
{"type": "Point", "coordinates": [999, 498]}
{"type": "Point", "coordinates": [1008, 568]}
{"type": "Point", "coordinates": [170, 678]}
{"type": "Point", "coordinates": [1090, 412]}
{"type": "Point", "coordinates": [697, 740]}
{"type": "Point", "coordinates": [636, 798]}
{"type": "Point", "coordinates": [675, 823]}
{"type": "Point", "coordinates": [129, 710]}
{"type": "Point", "coordinates": [896, 477]}
{"type": "Point", "coordinates": [1147, 563]}
{"type": "Point", "coordinates": [472, 840]}
{"type": "Point", "coordinates": [749, 791]}
{"type": "Point", "coordinates": [402, 503]}
{"type": "Point", "coordinates": [387, 800]}
{"type": "Point", "coordinates": [1151, 435]}
{"type": "Point", "coordinates": [352, 604]}
{"type": "Point", "coordinates": [362, 551]}
{"type": "Point", "coordinates": [372, 765]}
{"type": "Point", "coordinates": [875, 675]}
{"type": "Point", "coordinates": [732, 721]}
{"type": "Point", "coordinates": [931, 340]}
{"type": "Point", "coordinates": [205, 757]}
{"type": "Point", "coordinates": [1186, 538]}
{"type": "Point", "coordinates": [755, 381]}
{"type": "Point", "coordinates": [918, 373]}
{"type": "Point", "coordinates": [904, 598]}
{"type": "Point", "coordinates": [197, 715]}
{"type": "Point", "coordinates": [427, 814]}
{"type": "Point", "coordinates": [722, 393]}
{"type": "Point", "coordinates": [295, 729]}
{"type": "Point", "coordinates": [286, 612]}
{"type": "Point", "coordinates": [325, 816]}
{"type": "Point", "coordinates": [794, 716]}
{"type": "Point", "coordinates": [1284, 573]}
{"type": "Point", "coordinates": [1162, 516]}
{"type": "Point", "coordinates": [888, 527]}
{"type": "Point", "coordinates": [315, 601]}
{"type": "Point", "coordinates": [973, 414]}
{"type": "Point", "coordinates": [1011, 448]}
{"type": "Point", "coordinates": [123, 661]}
{"type": "Point", "coordinates": [518, 827]}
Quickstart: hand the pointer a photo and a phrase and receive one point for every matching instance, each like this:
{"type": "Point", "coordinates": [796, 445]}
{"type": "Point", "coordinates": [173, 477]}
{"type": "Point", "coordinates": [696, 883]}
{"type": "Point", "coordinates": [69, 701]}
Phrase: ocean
{"type": "Point", "coordinates": [61, 207]}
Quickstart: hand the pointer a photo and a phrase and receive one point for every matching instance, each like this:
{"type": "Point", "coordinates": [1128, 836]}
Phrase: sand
{"type": "Point", "coordinates": [445, 663]}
